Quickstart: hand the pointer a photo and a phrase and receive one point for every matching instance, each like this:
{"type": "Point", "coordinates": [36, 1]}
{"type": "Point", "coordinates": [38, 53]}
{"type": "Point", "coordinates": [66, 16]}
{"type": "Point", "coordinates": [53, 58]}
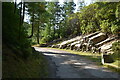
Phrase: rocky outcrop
{"type": "Point", "coordinates": [77, 47]}
{"type": "Point", "coordinates": [105, 41]}
{"type": "Point", "coordinates": [97, 42]}
{"type": "Point", "coordinates": [106, 48]}
{"type": "Point", "coordinates": [73, 44]}
{"type": "Point", "coordinates": [65, 43]}
{"type": "Point", "coordinates": [98, 38]}
{"type": "Point", "coordinates": [92, 34]}
{"type": "Point", "coordinates": [94, 42]}
{"type": "Point", "coordinates": [55, 46]}
{"type": "Point", "coordinates": [78, 44]}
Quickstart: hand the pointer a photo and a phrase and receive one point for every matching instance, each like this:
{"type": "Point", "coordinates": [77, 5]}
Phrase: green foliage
{"type": "Point", "coordinates": [118, 11]}
{"type": "Point", "coordinates": [55, 24]}
{"type": "Point", "coordinates": [53, 20]}
{"type": "Point", "coordinates": [91, 28]}
{"type": "Point", "coordinates": [83, 29]}
{"type": "Point", "coordinates": [116, 50]}
{"type": "Point", "coordinates": [96, 16]}
{"type": "Point", "coordinates": [105, 26]}
{"type": "Point", "coordinates": [10, 23]}
{"type": "Point", "coordinates": [13, 33]}
{"type": "Point", "coordinates": [19, 59]}
{"type": "Point", "coordinates": [115, 29]}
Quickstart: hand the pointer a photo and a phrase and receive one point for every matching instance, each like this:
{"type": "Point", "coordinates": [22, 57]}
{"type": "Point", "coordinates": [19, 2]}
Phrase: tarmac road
{"type": "Point", "coordinates": [63, 64]}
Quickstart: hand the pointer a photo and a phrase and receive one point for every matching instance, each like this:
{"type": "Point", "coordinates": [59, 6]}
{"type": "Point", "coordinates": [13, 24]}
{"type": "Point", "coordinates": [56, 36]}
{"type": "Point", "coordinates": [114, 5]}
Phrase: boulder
{"type": "Point", "coordinates": [105, 41]}
{"type": "Point", "coordinates": [80, 47]}
{"type": "Point", "coordinates": [55, 46]}
{"type": "Point", "coordinates": [65, 43]}
{"type": "Point", "coordinates": [68, 46]}
{"type": "Point", "coordinates": [98, 38]}
{"type": "Point", "coordinates": [77, 47]}
{"type": "Point", "coordinates": [89, 46]}
{"type": "Point", "coordinates": [92, 34]}
{"type": "Point", "coordinates": [93, 49]}
{"type": "Point", "coordinates": [73, 44]}
{"type": "Point", "coordinates": [106, 47]}
{"type": "Point", "coordinates": [88, 43]}
{"type": "Point", "coordinates": [76, 40]}
{"type": "Point", "coordinates": [84, 46]}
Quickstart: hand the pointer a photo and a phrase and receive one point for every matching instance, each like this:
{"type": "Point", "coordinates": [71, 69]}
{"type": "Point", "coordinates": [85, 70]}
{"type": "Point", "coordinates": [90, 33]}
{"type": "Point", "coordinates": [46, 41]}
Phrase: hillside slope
{"type": "Point", "coordinates": [15, 66]}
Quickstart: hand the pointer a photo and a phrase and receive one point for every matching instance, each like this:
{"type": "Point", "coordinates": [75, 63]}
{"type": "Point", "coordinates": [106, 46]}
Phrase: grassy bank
{"type": "Point", "coordinates": [16, 67]}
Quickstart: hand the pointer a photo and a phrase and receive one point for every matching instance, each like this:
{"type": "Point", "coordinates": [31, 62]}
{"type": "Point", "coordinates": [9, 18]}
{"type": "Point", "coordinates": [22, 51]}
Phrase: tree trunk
{"type": "Point", "coordinates": [32, 27]}
{"type": "Point", "coordinates": [38, 34]}
{"type": "Point", "coordinates": [23, 13]}
{"type": "Point", "coordinates": [15, 6]}
{"type": "Point", "coordinates": [20, 19]}
{"type": "Point", "coordinates": [54, 32]}
{"type": "Point", "coordinates": [78, 29]}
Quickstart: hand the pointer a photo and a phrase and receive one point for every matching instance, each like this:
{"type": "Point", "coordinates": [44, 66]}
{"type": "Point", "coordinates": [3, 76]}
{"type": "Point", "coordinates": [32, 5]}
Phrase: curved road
{"type": "Point", "coordinates": [63, 64]}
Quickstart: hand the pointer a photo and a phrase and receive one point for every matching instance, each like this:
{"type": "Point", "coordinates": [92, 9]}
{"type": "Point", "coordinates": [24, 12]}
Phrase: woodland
{"type": "Point", "coordinates": [50, 21]}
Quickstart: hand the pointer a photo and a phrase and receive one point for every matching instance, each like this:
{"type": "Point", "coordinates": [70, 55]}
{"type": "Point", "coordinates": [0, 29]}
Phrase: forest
{"type": "Point", "coordinates": [48, 22]}
{"type": "Point", "coordinates": [64, 23]}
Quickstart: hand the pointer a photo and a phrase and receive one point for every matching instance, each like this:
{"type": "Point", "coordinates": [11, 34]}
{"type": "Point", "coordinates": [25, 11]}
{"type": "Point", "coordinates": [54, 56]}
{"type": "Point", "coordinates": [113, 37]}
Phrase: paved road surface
{"type": "Point", "coordinates": [66, 65]}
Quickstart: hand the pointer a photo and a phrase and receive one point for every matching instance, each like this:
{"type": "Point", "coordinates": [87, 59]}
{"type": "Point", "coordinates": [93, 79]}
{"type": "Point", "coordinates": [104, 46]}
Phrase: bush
{"type": "Point", "coordinates": [91, 28]}
{"type": "Point", "coordinates": [105, 26]}
{"type": "Point", "coordinates": [115, 29]}
{"type": "Point", "coordinates": [117, 13]}
{"type": "Point", "coordinates": [116, 50]}
{"type": "Point", "coordinates": [83, 29]}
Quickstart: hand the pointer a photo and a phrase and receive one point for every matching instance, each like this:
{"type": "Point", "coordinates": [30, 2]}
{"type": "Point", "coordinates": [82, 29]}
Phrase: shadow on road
{"type": "Point", "coordinates": [67, 65]}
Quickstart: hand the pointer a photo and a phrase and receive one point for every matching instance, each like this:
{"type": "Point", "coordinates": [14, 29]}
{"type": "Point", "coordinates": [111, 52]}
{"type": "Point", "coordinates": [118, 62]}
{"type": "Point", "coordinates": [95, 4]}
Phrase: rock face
{"type": "Point", "coordinates": [73, 44]}
{"type": "Point", "coordinates": [92, 34]}
{"type": "Point", "coordinates": [77, 47]}
{"type": "Point", "coordinates": [98, 38]}
{"type": "Point", "coordinates": [55, 46]}
{"type": "Point", "coordinates": [95, 42]}
{"type": "Point", "coordinates": [106, 48]}
{"type": "Point", "coordinates": [105, 41]}
{"type": "Point", "coordinates": [65, 43]}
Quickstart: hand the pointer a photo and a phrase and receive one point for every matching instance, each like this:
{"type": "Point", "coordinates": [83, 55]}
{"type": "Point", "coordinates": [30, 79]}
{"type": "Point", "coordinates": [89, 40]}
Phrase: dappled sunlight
{"type": "Point", "coordinates": [88, 34]}
{"type": "Point", "coordinates": [49, 54]}
{"type": "Point", "coordinates": [75, 66]}
{"type": "Point", "coordinates": [77, 63]}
